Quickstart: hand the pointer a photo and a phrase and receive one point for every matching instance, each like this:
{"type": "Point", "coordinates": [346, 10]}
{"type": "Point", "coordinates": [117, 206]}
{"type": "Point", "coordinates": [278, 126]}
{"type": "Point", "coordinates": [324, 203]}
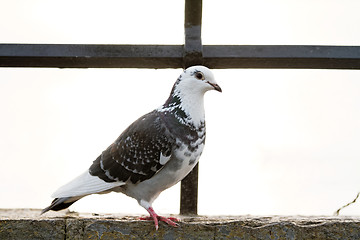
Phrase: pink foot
{"type": "Point", "coordinates": [153, 216]}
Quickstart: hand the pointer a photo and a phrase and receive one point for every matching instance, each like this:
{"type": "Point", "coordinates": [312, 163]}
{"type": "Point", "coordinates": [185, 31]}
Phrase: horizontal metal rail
{"type": "Point", "coordinates": [174, 56]}
{"type": "Point", "coordinates": [90, 56]}
{"type": "Point", "coordinates": [282, 56]}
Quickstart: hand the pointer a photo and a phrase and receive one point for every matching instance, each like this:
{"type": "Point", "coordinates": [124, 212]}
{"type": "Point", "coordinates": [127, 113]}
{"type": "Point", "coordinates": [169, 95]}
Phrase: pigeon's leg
{"type": "Point", "coordinates": [157, 218]}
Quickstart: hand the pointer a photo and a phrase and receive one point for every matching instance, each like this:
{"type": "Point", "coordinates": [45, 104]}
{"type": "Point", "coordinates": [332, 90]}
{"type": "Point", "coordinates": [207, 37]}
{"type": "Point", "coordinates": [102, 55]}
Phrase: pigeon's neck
{"type": "Point", "coordinates": [187, 105]}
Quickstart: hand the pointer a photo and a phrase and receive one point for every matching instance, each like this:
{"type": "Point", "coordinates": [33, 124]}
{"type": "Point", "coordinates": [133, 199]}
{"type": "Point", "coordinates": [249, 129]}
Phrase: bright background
{"type": "Point", "coordinates": [278, 141]}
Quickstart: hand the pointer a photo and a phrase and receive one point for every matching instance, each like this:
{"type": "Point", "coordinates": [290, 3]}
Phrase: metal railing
{"type": "Point", "coordinates": [181, 56]}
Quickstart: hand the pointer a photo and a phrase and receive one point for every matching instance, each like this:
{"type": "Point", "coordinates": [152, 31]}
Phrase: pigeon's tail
{"type": "Point", "coordinates": [60, 203]}
{"type": "Point", "coordinates": [84, 185]}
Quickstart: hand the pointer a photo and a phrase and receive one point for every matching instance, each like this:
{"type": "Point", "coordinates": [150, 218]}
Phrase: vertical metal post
{"type": "Point", "coordinates": [193, 46]}
{"type": "Point", "coordinates": [192, 56]}
{"type": "Point", "coordinates": [189, 193]}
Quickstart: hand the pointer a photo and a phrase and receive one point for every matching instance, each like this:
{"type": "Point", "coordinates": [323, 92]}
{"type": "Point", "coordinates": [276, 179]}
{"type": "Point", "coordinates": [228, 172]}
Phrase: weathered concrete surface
{"type": "Point", "coordinates": [28, 224]}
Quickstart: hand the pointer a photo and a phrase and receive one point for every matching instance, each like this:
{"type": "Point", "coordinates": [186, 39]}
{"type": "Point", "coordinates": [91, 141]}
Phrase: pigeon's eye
{"type": "Point", "coordinates": [199, 75]}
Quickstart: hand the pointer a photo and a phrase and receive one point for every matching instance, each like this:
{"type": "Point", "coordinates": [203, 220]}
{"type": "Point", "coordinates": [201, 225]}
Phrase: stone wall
{"type": "Point", "coordinates": [28, 224]}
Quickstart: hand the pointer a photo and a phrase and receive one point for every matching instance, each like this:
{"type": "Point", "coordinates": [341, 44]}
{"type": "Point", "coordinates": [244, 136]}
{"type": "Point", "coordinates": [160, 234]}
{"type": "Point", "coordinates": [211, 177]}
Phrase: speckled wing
{"type": "Point", "coordinates": [139, 152]}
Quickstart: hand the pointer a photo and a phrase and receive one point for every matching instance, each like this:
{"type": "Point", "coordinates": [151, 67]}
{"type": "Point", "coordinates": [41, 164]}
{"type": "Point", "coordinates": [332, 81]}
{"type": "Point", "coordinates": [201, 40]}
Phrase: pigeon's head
{"type": "Point", "coordinates": [186, 100]}
{"type": "Point", "coordinates": [197, 79]}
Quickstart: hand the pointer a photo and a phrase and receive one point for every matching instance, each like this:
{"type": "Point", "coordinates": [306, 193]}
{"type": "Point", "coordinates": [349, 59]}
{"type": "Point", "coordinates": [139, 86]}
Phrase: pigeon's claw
{"type": "Point", "coordinates": [153, 216]}
{"type": "Point", "coordinates": [171, 221]}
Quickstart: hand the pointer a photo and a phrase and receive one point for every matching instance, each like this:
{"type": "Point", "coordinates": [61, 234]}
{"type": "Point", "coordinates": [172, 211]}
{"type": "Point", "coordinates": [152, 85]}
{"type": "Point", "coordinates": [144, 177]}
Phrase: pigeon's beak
{"type": "Point", "coordinates": [215, 86]}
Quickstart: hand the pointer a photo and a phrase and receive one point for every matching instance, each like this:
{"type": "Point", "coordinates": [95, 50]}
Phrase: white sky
{"type": "Point", "coordinates": [278, 141]}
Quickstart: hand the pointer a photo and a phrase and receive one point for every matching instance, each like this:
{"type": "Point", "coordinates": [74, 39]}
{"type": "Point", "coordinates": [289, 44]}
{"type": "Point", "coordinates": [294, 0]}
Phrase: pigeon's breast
{"type": "Point", "coordinates": [186, 160]}
{"type": "Point", "coordinates": [188, 151]}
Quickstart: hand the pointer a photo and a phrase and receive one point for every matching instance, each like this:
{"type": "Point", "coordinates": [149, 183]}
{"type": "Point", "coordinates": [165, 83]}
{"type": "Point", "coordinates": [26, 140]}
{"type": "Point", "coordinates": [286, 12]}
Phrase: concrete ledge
{"type": "Point", "coordinates": [27, 224]}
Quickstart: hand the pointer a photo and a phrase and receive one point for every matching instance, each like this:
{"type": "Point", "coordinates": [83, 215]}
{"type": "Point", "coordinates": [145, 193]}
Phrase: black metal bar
{"type": "Point", "coordinates": [171, 56]}
{"type": "Point", "coordinates": [91, 56]}
{"type": "Point", "coordinates": [189, 193]}
{"type": "Point", "coordinates": [282, 56]}
{"type": "Point", "coordinates": [193, 46]}
{"type": "Point", "coordinates": [192, 56]}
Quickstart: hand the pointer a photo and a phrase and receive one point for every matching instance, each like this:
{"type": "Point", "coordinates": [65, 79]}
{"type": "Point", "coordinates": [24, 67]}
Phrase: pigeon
{"type": "Point", "coordinates": [154, 153]}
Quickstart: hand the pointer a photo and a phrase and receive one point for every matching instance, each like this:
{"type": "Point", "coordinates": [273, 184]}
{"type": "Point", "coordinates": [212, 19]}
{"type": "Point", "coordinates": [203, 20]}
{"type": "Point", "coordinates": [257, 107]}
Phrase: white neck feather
{"type": "Point", "coordinates": [188, 95]}
{"type": "Point", "coordinates": [192, 103]}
